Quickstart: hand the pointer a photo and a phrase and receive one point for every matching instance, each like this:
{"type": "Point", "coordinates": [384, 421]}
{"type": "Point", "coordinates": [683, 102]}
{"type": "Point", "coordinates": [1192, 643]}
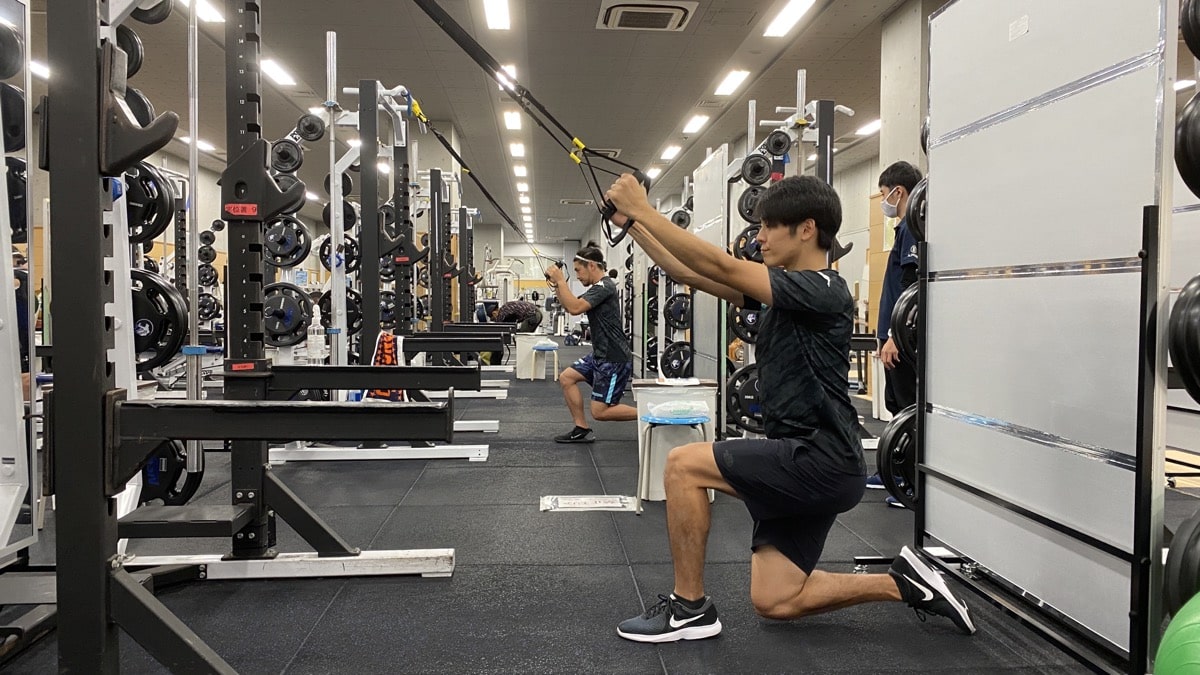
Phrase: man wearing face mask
{"type": "Point", "coordinates": [900, 386]}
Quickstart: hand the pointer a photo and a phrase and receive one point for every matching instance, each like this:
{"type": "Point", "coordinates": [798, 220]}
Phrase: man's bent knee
{"type": "Point", "coordinates": [569, 377]}
{"type": "Point", "coordinates": [770, 606]}
{"type": "Point", "coordinates": [689, 463]}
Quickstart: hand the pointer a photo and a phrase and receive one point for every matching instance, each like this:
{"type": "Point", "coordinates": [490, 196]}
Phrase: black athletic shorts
{"type": "Point", "coordinates": [790, 491]}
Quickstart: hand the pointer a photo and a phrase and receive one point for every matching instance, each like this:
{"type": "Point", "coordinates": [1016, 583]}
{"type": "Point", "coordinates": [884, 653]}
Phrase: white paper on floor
{"type": "Point", "coordinates": [589, 503]}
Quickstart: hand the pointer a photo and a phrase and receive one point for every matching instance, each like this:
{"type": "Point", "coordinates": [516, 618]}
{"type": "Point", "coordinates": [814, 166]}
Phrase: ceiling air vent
{"type": "Point", "coordinates": [577, 202]}
{"type": "Point", "coordinates": [560, 220]}
{"type": "Point", "coordinates": [656, 15]}
{"type": "Point", "coordinates": [611, 153]}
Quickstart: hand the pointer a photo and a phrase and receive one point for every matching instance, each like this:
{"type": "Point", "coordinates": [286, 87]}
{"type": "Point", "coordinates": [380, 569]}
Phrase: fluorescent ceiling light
{"type": "Point", "coordinates": [526, 209]}
{"type": "Point", "coordinates": [788, 17]}
{"type": "Point", "coordinates": [869, 128]}
{"type": "Point", "coordinates": [317, 110]}
{"type": "Point", "coordinates": [354, 142]}
{"type": "Point", "coordinates": [384, 167]}
{"type": "Point", "coordinates": [653, 172]}
{"type": "Point", "coordinates": [311, 196]}
{"type": "Point", "coordinates": [671, 152]}
{"type": "Point", "coordinates": [695, 124]}
{"type": "Point", "coordinates": [497, 14]}
{"type": "Point", "coordinates": [206, 12]}
{"type": "Point", "coordinates": [512, 120]}
{"type": "Point", "coordinates": [524, 199]}
{"type": "Point", "coordinates": [517, 149]}
{"type": "Point", "coordinates": [276, 72]}
{"type": "Point", "coordinates": [39, 69]}
{"type": "Point", "coordinates": [200, 144]}
{"type": "Point", "coordinates": [732, 81]}
{"type": "Point", "coordinates": [1184, 84]}
{"type": "Point", "coordinates": [528, 219]}
{"type": "Point", "coordinates": [506, 82]}
{"type": "Point", "coordinates": [522, 187]}
{"type": "Point", "coordinates": [519, 170]}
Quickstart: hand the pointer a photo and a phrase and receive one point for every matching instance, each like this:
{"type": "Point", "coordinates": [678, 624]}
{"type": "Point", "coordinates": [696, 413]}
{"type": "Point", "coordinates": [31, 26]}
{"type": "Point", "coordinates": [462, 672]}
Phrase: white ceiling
{"type": "Point", "coordinates": [631, 90]}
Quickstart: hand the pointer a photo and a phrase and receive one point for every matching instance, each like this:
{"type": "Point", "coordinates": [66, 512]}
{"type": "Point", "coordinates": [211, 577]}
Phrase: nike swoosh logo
{"type": "Point", "coordinates": [680, 624]}
{"type": "Point", "coordinates": [928, 593]}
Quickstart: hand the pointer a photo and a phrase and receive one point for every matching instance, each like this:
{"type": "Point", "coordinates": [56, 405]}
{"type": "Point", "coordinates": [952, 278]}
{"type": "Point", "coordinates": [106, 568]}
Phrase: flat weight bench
{"type": "Point", "coordinates": [653, 422]}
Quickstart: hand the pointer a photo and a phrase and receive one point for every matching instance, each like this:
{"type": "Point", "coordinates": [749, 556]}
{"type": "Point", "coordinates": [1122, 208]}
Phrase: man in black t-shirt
{"type": "Point", "coordinates": [608, 368]}
{"type": "Point", "coordinates": [809, 468]}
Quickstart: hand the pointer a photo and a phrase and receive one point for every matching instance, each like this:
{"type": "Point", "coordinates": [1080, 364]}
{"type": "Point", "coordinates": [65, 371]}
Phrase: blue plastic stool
{"type": "Point", "coordinates": [544, 349]}
{"type": "Point", "coordinates": [653, 422]}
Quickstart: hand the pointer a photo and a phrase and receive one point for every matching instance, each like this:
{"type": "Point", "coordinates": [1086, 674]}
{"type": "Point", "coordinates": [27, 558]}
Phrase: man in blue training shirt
{"type": "Point", "coordinates": [900, 377]}
{"type": "Point", "coordinates": [810, 467]}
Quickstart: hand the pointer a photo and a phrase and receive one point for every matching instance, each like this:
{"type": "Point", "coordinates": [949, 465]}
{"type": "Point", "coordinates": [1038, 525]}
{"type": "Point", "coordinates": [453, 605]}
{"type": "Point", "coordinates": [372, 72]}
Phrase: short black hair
{"type": "Point", "coordinates": [900, 174]}
{"type": "Point", "coordinates": [592, 253]}
{"type": "Point", "coordinates": [612, 273]}
{"type": "Point", "coordinates": [795, 199]}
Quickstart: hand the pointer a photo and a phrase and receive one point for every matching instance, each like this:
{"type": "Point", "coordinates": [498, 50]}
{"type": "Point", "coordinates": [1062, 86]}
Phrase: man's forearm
{"type": "Point", "coordinates": [567, 299]}
{"type": "Point", "coordinates": [703, 258]}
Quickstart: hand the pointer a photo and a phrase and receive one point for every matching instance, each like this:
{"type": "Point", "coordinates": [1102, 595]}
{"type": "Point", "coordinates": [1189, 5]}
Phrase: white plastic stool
{"type": "Point", "coordinates": [652, 423]}
{"type": "Point", "coordinates": [539, 369]}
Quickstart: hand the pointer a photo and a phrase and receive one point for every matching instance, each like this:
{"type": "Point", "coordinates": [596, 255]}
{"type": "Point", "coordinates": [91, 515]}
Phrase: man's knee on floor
{"type": "Point", "coordinates": [770, 603]}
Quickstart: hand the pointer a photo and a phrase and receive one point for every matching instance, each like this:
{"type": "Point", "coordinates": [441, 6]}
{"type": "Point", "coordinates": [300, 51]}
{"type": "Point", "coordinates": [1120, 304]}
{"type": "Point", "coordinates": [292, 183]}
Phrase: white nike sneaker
{"type": "Point", "coordinates": [926, 592]}
{"type": "Point", "coordinates": [669, 621]}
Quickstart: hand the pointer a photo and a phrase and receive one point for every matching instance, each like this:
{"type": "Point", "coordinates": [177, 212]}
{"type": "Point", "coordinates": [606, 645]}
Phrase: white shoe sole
{"type": "Point", "coordinates": [875, 487]}
{"type": "Point", "coordinates": [685, 633]}
{"type": "Point", "coordinates": [938, 584]}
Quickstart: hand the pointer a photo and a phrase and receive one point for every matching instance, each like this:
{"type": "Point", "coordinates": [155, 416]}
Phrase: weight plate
{"type": "Point", "coordinates": [1187, 144]}
{"type": "Point", "coordinates": [156, 14]}
{"type": "Point", "coordinates": [925, 136]}
{"type": "Point", "coordinates": [286, 156]}
{"type": "Point", "coordinates": [207, 307]}
{"type": "Point", "coordinates": [744, 323]}
{"type": "Point", "coordinates": [748, 203]}
{"type": "Point", "coordinates": [349, 215]}
{"type": "Point", "coordinates": [682, 218]}
{"type": "Point", "coordinates": [140, 106]}
{"type": "Point", "coordinates": [387, 269]}
{"type": "Point", "coordinates": [159, 319]}
{"type": "Point", "coordinates": [745, 245]}
{"type": "Point", "coordinates": [12, 51]}
{"type": "Point", "coordinates": [347, 185]}
{"type": "Point", "coordinates": [149, 202]}
{"type": "Point", "coordinates": [135, 51]}
{"type": "Point", "coordinates": [1183, 546]}
{"type": "Point", "coordinates": [208, 238]}
{"type": "Point", "coordinates": [12, 108]}
{"type": "Point", "coordinates": [286, 242]}
{"type": "Point", "coordinates": [778, 143]}
{"type": "Point", "coordinates": [206, 254]}
{"type": "Point", "coordinates": [310, 127]}
{"type": "Point", "coordinates": [165, 476]}
{"type": "Point", "coordinates": [677, 360]}
{"type": "Point", "coordinates": [207, 275]}
{"type": "Point", "coordinates": [1189, 25]}
{"type": "Point", "coordinates": [915, 213]}
{"type": "Point", "coordinates": [756, 169]}
{"type": "Point", "coordinates": [387, 310]}
{"type": "Point", "coordinates": [349, 253]}
{"type": "Point", "coordinates": [678, 311]}
{"type": "Point", "coordinates": [1183, 336]}
{"type": "Point", "coordinates": [904, 323]}
{"type": "Point", "coordinates": [287, 314]}
{"type": "Point", "coordinates": [150, 265]}
{"type": "Point", "coordinates": [285, 181]}
{"type": "Point", "coordinates": [18, 190]}
{"type": "Point", "coordinates": [217, 225]}
{"type": "Point", "coordinates": [896, 457]}
{"type": "Point", "coordinates": [742, 399]}
{"type": "Point", "coordinates": [354, 317]}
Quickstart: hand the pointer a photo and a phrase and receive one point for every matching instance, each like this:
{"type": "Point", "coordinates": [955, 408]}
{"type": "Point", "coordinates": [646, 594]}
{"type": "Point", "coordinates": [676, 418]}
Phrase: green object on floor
{"type": "Point", "coordinates": [1179, 651]}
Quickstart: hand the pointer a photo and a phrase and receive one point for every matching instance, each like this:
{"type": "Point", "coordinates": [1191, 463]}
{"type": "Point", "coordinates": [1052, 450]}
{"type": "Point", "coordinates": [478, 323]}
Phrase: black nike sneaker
{"type": "Point", "coordinates": [926, 592]}
{"type": "Point", "coordinates": [670, 620]}
{"type": "Point", "coordinates": [576, 435]}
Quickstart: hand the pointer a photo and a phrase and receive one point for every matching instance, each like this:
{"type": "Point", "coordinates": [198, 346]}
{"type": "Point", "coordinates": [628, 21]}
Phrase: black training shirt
{"type": "Point", "coordinates": [803, 356]}
{"type": "Point", "coordinates": [604, 318]}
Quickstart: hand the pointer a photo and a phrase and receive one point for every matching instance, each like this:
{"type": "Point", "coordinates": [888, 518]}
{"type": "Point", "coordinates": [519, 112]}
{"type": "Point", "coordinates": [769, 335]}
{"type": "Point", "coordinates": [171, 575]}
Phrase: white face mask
{"type": "Point", "coordinates": [890, 210]}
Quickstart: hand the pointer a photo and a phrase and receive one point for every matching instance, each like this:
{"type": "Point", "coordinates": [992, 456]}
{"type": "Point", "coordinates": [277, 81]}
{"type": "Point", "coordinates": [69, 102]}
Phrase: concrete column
{"type": "Point", "coordinates": [903, 82]}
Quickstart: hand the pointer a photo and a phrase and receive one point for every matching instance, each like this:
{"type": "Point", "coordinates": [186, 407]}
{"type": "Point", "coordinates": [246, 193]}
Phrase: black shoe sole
{"type": "Point", "coordinates": [585, 439]}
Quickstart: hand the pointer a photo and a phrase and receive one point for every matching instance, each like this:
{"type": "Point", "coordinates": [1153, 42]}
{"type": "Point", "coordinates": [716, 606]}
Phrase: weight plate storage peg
{"type": "Point", "coordinates": [678, 311]}
{"type": "Point", "coordinates": [17, 191]}
{"type": "Point", "coordinates": [744, 323]}
{"type": "Point", "coordinates": [206, 274]}
{"type": "Point", "coordinates": [756, 169]}
{"type": "Point", "coordinates": [286, 156]}
{"type": "Point", "coordinates": [745, 245]}
{"type": "Point", "coordinates": [742, 399]}
{"type": "Point", "coordinates": [915, 215]}
{"type": "Point", "coordinates": [149, 203]}
{"type": "Point", "coordinates": [677, 360]}
{"type": "Point", "coordinates": [904, 322]}
{"type": "Point", "coordinates": [350, 253]}
{"type": "Point", "coordinates": [778, 143]}
{"type": "Point", "coordinates": [287, 313]}
{"type": "Point", "coordinates": [12, 51]}
{"type": "Point", "coordinates": [159, 319]}
{"type": "Point", "coordinates": [748, 203]}
{"type": "Point", "coordinates": [310, 127]}
{"type": "Point", "coordinates": [286, 242]}
{"type": "Point", "coordinates": [207, 307]}
{"type": "Point", "coordinates": [897, 457]}
{"type": "Point", "coordinates": [354, 316]}
{"type": "Point", "coordinates": [165, 476]}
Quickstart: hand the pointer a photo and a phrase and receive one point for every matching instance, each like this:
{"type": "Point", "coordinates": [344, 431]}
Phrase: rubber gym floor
{"type": "Point", "coordinates": [538, 592]}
